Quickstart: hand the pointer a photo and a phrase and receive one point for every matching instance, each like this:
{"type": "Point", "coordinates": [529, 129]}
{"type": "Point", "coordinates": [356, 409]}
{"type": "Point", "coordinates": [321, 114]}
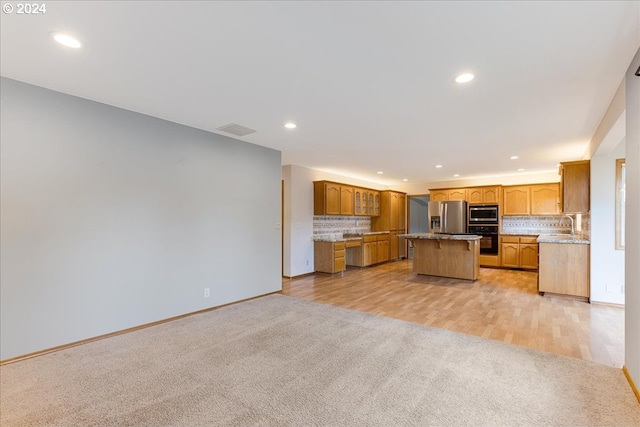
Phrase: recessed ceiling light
{"type": "Point", "coordinates": [514, 157]}
{"type": "Point", "coordinates": [520, 170]}
{"type": "Point", "coordinates": [464, 78]}
{"type": "Point", "coordinates": [67, 40]}
{"type": "Point", "coordinates": [404, 180]}
{"type": "Point", "coordinates": [380, 172]}
{"type": "Point", "coordinates": [290, 125]}
{"type": "Point", "coordinates": [456, 175]}
{"type": "Point", "coordinates": [438, 166]}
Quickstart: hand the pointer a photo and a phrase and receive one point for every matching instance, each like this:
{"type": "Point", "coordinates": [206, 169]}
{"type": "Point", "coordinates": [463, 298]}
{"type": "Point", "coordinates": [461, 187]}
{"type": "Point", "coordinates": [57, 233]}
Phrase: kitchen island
{"type": "Point", "coordinates": [446, 255]}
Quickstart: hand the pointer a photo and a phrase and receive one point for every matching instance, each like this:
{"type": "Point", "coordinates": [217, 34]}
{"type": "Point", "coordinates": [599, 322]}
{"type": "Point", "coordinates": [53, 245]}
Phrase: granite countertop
{"type": "Point", "coordinates": [433, 236]}
{"type": "Point", "coordinates": [335, 239]}
{"type": "Point", "coordinates": [347, 237]}
{"type": "Point", "coordinates": [358, 235]}
{"type": "Point", "coordinates": [554, 237]}
{"type": "Point", "coordinates": [563, 238]}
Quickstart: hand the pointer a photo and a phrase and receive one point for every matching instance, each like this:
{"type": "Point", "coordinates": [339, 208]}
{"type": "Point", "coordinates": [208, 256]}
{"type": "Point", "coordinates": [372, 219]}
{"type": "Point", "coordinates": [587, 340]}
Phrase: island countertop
{"type": "Point", "coordinates": [436, 236]}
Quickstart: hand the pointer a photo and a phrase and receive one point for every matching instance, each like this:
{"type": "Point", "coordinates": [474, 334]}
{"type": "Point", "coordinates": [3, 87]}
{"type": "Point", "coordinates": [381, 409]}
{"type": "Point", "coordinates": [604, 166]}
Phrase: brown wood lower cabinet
{"type": "Point", "coordinates": [564, 269]}
{"type": "Point", "coordinates": [371, 249]}
{"type": "Point", "coordinates": [329, 257]}
{"type": "Point", "coordinates": [519, 252]}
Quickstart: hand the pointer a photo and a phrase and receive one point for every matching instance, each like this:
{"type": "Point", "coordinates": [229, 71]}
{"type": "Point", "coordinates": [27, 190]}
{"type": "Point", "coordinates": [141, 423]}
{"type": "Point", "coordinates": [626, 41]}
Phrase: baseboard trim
{"type": "Point", "coordinates": [123, 331]}
{"type": "Point", "coordinates": [299, 276]}
{"type": "Point", "coordinates": [607, 304]}
{"type": "Point", "coordinates": [631, 383]}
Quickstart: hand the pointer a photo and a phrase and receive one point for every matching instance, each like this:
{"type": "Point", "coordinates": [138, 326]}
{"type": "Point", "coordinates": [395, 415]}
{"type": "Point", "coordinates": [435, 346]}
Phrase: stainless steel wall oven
{"type": "Point", "coordinates": [483, 214]}
{"type": "Point", "coordinates": [489, 241]}
{"type": "Point", "coordinates": [483, 221]}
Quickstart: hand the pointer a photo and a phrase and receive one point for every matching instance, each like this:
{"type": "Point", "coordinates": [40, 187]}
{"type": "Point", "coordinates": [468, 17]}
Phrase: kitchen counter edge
{"type": "Point", "coordinates": [433, 236]}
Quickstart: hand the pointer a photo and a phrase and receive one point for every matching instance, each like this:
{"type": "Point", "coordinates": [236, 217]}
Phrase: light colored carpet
{"type": "Point", "coordinates": [281, 361]}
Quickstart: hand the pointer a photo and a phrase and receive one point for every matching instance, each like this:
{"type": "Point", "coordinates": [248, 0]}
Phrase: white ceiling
{"type": "Point", "coordinates": [369, 84]}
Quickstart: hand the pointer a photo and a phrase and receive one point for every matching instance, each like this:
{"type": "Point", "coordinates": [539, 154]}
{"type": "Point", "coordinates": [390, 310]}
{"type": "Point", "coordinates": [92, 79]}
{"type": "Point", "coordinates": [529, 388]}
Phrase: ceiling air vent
{"type": "Point", "coordinates": [235, 129]}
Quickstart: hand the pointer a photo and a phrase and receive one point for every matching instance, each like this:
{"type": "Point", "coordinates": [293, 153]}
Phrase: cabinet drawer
{"type": "Point", "coordinates": [338, 246]}
{"type": "Point", "coordinates": [353, 243]}
{"type": "Point", "coordinates": [528, 239]}
{"type": "Point", "coordinates": [340, 264]}
{"type": "Point", "coordinates": [510, 239]}
{"type": "Point", "coordinates": [383, 238]}
{"type": "Point", "coordinates": [369, 239]}
{"type": "Point", "coordinates": [338, 253]}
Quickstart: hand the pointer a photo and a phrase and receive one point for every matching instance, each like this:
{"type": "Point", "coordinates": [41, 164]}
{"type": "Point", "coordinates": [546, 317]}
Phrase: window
{"type": "Point", "coordinates": [620, 202]}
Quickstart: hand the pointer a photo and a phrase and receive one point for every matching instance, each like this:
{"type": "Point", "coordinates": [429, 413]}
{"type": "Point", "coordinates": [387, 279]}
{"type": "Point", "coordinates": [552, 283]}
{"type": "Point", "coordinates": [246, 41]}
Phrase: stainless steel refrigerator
{"type": "Point", "coordinates": [447, 217]}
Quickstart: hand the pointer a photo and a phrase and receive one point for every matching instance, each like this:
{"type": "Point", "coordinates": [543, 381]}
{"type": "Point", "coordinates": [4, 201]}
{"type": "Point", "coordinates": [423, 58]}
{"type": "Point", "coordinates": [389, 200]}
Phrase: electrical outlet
{"type": "Point", "coordinates": [207, 292]}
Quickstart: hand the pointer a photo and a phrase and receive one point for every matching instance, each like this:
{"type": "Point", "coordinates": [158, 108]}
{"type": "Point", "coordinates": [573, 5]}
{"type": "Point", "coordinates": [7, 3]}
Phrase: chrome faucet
{"type": "Point", "coordinates": [571, 219]}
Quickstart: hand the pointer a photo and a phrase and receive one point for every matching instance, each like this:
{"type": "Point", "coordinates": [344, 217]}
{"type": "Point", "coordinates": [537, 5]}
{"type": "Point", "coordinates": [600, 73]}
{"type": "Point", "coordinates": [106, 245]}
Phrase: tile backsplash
{"type": "Point", "coordinates": [545, 224]}
{"type": "Point", "coordinates": [335, 226]}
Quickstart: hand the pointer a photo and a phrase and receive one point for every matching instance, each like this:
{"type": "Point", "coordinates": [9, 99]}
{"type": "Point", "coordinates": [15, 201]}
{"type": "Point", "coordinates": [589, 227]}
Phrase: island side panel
{"type": "Point", "coordinates": [447, 258]}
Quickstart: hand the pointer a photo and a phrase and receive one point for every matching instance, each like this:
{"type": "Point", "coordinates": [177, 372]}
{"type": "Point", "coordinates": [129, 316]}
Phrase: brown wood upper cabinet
{"type": "Point", "coordinates": [483, 195]}
{"type": "Point", "coordinates": [535, 199]}
{"type": "Point", "coordinates": [574, 186]}
{"type": "Point", "coordinates": [480, 195]}
{"type": "Point", "coordinates": [516, 200]}
{"type": "Point", "coordinates": [448, 194]}
{"type": "Point", "coordinates": [332, 198]}
{"type": "Point", "coordinates": [347, 200]}
{"type": "Point", "coordinates": [545, 199]}
{"type": "Point", "coordinates": [392, 212]}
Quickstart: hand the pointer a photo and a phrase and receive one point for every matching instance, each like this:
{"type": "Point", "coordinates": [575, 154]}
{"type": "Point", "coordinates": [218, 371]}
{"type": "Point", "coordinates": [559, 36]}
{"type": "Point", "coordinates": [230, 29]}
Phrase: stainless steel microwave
{"type": "Point", "coordinates": [483, 214]}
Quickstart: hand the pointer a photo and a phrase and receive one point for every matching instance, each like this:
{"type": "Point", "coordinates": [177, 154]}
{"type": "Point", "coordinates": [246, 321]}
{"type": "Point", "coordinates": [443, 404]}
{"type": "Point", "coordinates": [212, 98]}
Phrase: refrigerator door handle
{"type": "Point", "coordinates": [443, 218]}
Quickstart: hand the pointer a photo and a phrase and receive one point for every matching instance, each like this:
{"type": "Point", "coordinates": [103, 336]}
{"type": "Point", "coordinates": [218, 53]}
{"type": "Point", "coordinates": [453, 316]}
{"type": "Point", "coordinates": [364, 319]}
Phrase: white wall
{"type": "Point", "coordinates": [298, 205]}
{"type": "Point", "coordinates": [112, 219]}
{"type": "Point", "coordinates": [632, 236]}
{"type": "Point", "coordinates": [607, 263]}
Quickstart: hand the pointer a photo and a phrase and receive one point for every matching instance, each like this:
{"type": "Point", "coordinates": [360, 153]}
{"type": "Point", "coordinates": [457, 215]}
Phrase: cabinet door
{"type": "Point", "coordinates": [370, 207]}
{"type": "Point", "coordinates": [332, 199]}
{"type": "Point", "coordinates": [510, 254]}
{"type": "Point", "coordinates": [475, 195]}
{"type": "Point", "coordinates": [357, 208]}
{"type": "Point", "coordinates": [457, 194]}
{"type": "Point", "coordinates": [491, 195]}
{"type": "Point", "coordinates": [346, 200]}
{"type": "Point", "coordinates": [394, 248]}
{"type": "Point", "coordinates": [574, 181]}
{"type": "Point", "coordinates": [370, 252]}
{"type": "Point", "coordinates": [402, 212]}
{"type": "Point", "coordinates": [439, 195]}
{"type": "Point", "coordinates": [376, 204]}
{"type": "Point", "coordinates": [545, 199]}
{"type": "Point", "coordinates": [516, 200]}
{"type": "Point", "coordinates": [529, 255]}
{"type": "Point", "coordinates": [383, 251]}
{"type": "Point", "coordinates": [393, 211]}
{"type": "Point", "coordinates": [365, 203]}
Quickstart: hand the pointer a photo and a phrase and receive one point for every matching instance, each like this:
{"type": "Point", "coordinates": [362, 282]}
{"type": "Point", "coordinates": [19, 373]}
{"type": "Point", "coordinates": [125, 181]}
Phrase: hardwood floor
{"type": "Point", "coordinates": [502, 305]}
